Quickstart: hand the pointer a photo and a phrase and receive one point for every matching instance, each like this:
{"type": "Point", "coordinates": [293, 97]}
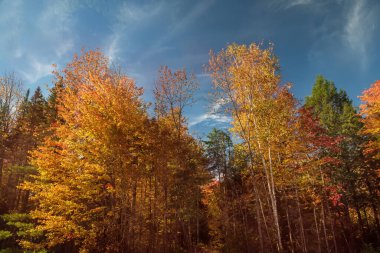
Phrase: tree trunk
{"type": "Point", "coordinates": [1, 172]}
{"type": "Point", "coordinates": [332, 221]}
{"type": "Point", "coordinates": [258, 217]}
{"type": "Point", "coordinates": [274, 202]}
{"type": "Point", "coordinates": [324, 227]}
{"type": "Point", "coordinates": [303, 239]}
{"type": "Point", "coordinates": [317, 229]}
{"type": "Point", "coordinates": [289, 228]}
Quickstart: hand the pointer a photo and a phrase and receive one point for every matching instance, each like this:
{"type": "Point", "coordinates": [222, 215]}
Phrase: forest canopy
{"type": "Point", "coordinates": [90, 168]}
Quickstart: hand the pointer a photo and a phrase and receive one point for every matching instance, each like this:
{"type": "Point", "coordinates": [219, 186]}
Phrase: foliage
{"type": "Point", "coordinates": [90, 169]}
{"type": "Point", "coordinates": [370, 109]}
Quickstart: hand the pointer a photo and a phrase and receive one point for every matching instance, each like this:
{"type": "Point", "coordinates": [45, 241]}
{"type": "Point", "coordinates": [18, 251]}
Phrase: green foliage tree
{"type": "Point", "coordinates": [90, 170]}
{"type": "Point", "coordinates": [219, 151]}
{"type": "Point", "coordinates": [333, 108]}
{"type": "Point", "coordinates": [336, 114]}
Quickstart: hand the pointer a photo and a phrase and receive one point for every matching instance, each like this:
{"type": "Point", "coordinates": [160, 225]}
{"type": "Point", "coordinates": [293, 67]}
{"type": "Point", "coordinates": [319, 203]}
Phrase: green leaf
{"type": "Point", "coordinates": [4, 234]}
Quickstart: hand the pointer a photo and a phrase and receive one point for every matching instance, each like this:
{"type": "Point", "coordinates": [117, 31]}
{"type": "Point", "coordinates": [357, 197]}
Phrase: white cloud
{"type": "Point", "coordinates": [55, 25]}
{"type": "Point", "coordinates": [36, 70]}
{"type": "Point", "coordinates": [11, 14]}
{"type": "Point", "coordinates": [294, 3]}
{"type": "Point", "coordinates": [215, 114]}
{"type": "Point", "coordinates": [288, 4]}
{"type": "Point", "coordinates": [209, 116]}
{"type": "Point", "coordinates": [346, 36]}
{"type": "Point", "coordinates": [113, 47]}
{"type": "Point", "coordinates": [127, 19]}
{"type": "Point", "coordinates": [64, 47]}
{"type": "Point", "coordinates": [358, 29]}
{"type": "Point", "coordinates": [33, 39]}
{"type": "Point", "coordinates": [130, 14]}
{"type": "Point", "coordinates": [179, 26]}
{"type": "Point", "coordinates": [56, 17]}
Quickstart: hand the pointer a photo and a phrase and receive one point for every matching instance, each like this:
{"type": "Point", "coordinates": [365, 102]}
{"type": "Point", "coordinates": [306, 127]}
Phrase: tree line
{"type": "Point", "coordinates": [90, 168]}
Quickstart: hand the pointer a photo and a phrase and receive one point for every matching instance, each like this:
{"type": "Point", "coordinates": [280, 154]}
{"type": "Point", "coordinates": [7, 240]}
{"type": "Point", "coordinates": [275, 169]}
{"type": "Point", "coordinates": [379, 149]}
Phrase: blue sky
{"type": "Point", "coordinates": [336, 38]}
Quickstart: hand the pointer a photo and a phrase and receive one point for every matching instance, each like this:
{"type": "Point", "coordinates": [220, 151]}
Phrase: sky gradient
{"type": "Point", "coordinates": [336, 38]}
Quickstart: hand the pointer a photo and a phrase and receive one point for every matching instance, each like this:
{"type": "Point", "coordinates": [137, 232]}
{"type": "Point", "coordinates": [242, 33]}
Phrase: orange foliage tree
{"type": "Point", "coordinates": [109, 177]}
{"type": "Point", "coordinates": [370, 110]}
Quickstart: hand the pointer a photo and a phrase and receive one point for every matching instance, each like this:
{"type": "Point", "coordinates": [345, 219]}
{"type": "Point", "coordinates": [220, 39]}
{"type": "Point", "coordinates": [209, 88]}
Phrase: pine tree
{"type": "Point", "coordinates": [336, 114]}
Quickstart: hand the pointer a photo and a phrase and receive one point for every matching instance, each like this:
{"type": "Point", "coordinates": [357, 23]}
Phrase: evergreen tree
{"type": "Point", "coordinates": [333, 108]}
{"type": "Point", "coordinates": [219, 152]}
{"type": "Point", "coordinates": [336, 114]}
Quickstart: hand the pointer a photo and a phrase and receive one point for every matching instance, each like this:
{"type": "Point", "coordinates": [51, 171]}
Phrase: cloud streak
{"type": "Point", "coordinates": [294, 3]}
{"type": "Point", "coordinates": [36, 38]}
{"type": "Point", "coordinates": [347, 36]}
{"type": "Point", "coordinates": [358, 29]}
{"type": "Point", "coordinates": [200, 8]}
{"type": "Point", "coordinates": [214, 114]}
{"type": "Point", "coordinates": [36, 70]}
{"type": "Point", "coordinates": [128, 19]}
{"type": "Point", "coordinates": [209, 116]}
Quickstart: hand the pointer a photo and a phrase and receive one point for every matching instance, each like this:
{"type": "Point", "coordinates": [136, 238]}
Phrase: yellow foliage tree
{"type": "Point", "coordinates": [263, 115]}
{"type": "Point", "coordinates": [110, 178]}
{"type": "Point", "coordinates": [86, 165]}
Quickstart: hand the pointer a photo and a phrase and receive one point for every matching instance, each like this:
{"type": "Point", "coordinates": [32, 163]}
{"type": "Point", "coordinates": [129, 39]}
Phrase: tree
{"type": "Point", "coordinates": [227, 197]}
{"type": "Point", "coordinates": [219, 152]}
{"type": "Point", "coordinates": [333, 108]}
{"type": "Point", "coordinates": [10, 88]}
{"type": "Point", "coordinates": [370, 110]}
{"type": "Point", "coordinates": [248, 79]}
{"type": "Point", "coordinates": [174, 91]}
{"type": "Point", "coordinates": [317, 155]}
{"type": "Point", "coordinates": [29, 131]}
{"type": "Point", "coordinates": [81, 166]}
{"type": "Point", "coordinates": [336, 114]}
{"type": "Point", "coordinates": [109, 178]}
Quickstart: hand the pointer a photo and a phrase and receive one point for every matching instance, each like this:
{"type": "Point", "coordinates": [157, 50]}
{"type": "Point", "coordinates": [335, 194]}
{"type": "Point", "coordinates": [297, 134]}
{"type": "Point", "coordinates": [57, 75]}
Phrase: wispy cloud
{"type": "Point", "coordinates": [159, 23]}
{"type": "Point", "coordinates": [215, 114]}
{"type": "Point", "coordinates": [209, 116]}
{"type": "Point", "coordinates": [288, 4]}
{"type": "Point", "coordinates": [130, 14]}
{"type": "Point", "coordinates": [36, 70]}
{"type": "Point", "coordinates": [64, 47]}
{"type": "Point", "coordinates": [358, 29]}
{"type": "Point", "coordinates": [11, 14]}
{"type": "Point", "coordinates": [127, 19]}
{"type": "Point", "coordinates": [294, 3]}
{"type": "Point", "coordinates": [56, 24]}
{"type": "Point", "coordinates": [112, 49]}
{"type": "Point", "coordinates": [346, 36]}
{"type": "Point", "coordinates": [180, 26]}
{"type": "Point", "coordinates": [33, 39]}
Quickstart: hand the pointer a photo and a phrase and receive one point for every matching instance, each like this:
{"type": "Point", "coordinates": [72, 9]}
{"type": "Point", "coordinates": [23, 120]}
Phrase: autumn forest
{"type": "Point", "coordinates": [92, 167]}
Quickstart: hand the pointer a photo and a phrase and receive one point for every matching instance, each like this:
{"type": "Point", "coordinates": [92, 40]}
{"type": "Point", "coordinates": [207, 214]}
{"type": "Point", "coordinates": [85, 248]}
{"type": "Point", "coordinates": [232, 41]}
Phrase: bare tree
{"type": "Point", "coordinates": [10, 87]}
{"type": "Point", "coordinates": [173, 92]}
